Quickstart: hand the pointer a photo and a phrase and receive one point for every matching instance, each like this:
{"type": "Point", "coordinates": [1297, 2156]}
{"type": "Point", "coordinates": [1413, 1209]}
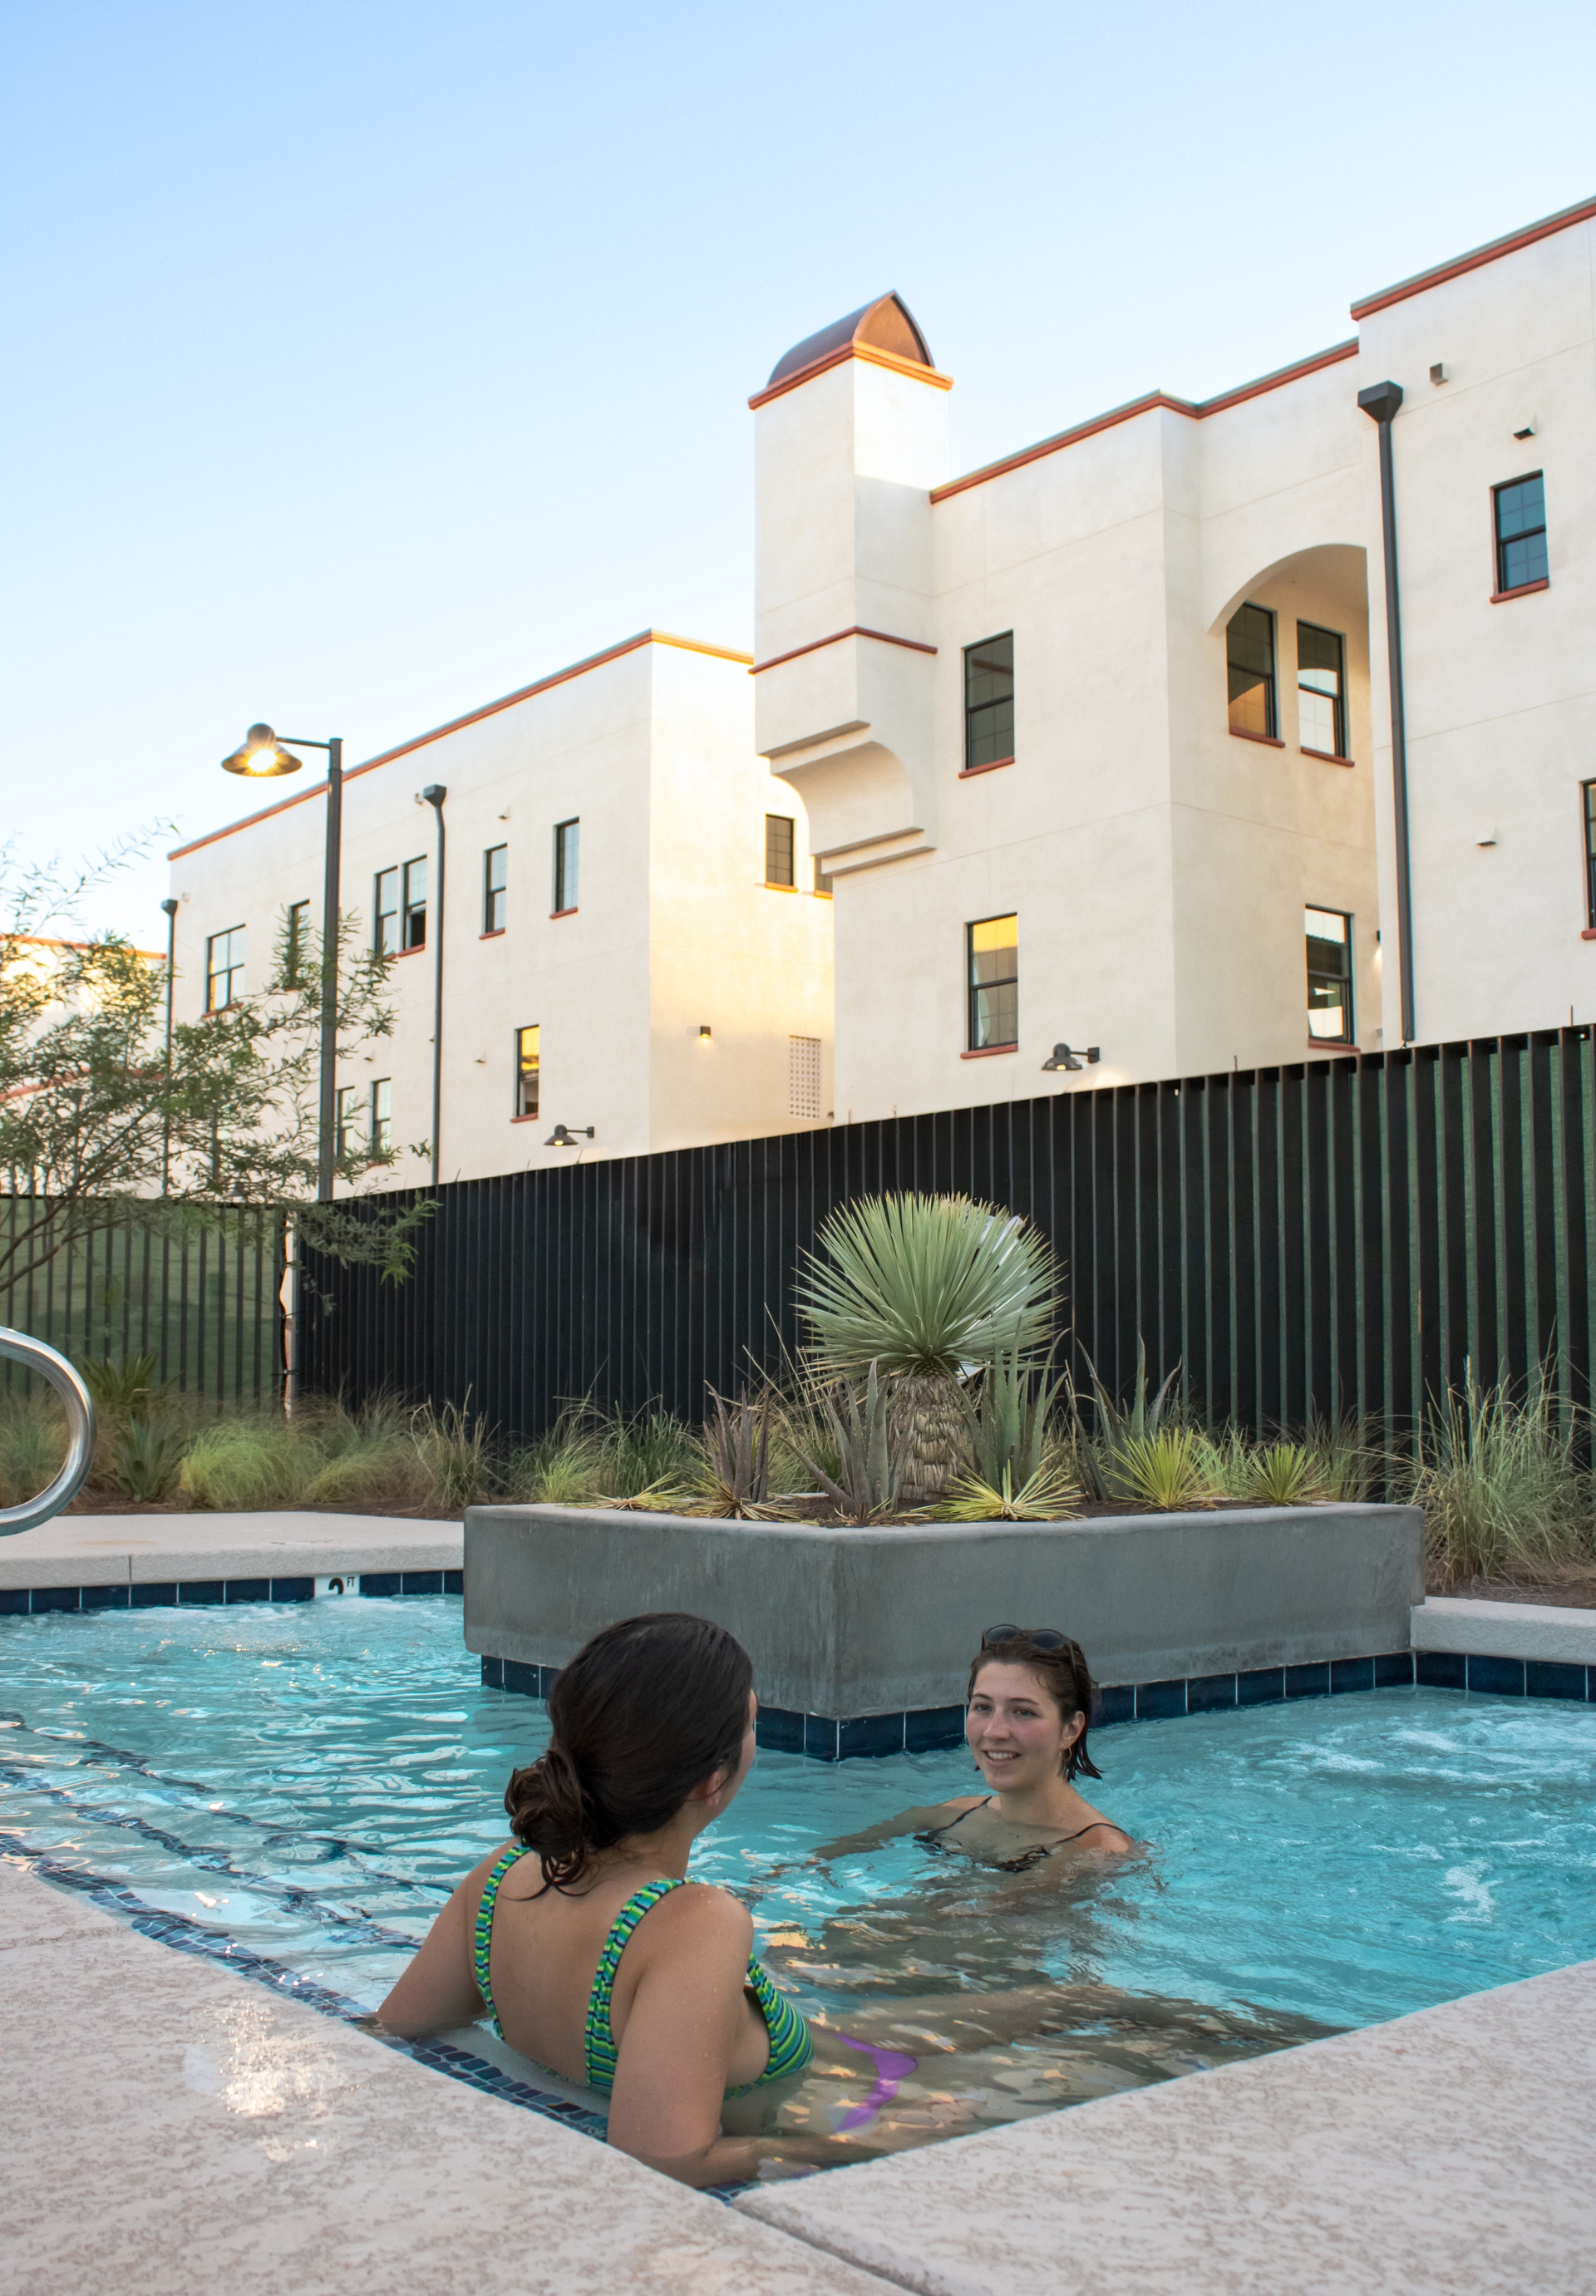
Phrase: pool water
{"type": "Point", "coordinates": [308, 1781]}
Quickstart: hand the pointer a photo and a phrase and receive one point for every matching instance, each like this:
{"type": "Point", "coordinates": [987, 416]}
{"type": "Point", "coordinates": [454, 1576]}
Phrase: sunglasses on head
{"type": "Point", "coordinates": [1043, 1638]}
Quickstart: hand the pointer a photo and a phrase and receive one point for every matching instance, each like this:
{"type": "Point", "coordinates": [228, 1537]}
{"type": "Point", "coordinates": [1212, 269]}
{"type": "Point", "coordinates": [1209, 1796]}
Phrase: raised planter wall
{"type": "Point", "coordinates": [843, 1625]}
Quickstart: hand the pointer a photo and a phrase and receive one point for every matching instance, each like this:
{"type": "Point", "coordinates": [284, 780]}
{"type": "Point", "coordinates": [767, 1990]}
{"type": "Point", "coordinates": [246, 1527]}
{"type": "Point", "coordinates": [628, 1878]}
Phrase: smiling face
{"type": "Point", "coordinates": [1015, 1729]}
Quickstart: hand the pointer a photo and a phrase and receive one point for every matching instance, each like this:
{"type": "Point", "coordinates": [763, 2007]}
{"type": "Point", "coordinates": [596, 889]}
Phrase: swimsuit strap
{"type": "Point", "coordinates": [483, 1933]}
{"type": "Point", "coordinates": [932, 1832]}
{"type": "Point", "coordinates": [603, 2057]}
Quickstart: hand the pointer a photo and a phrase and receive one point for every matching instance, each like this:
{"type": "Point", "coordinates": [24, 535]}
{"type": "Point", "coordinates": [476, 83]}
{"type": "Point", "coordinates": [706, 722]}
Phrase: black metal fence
{"type": "Point", "coordinates": [203, 1300]}
{"type": "Point", "coordinates": [1339, 1236]}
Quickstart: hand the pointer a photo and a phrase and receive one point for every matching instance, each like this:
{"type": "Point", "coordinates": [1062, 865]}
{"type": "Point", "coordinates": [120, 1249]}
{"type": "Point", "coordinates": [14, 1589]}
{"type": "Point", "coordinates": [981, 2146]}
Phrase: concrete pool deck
{"type": "Point", "coordinates": [121, 1550]}
{"type": "Point", "coordinates": [172, 2128]}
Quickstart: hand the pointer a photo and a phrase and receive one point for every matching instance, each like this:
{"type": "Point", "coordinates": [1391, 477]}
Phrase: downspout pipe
{"type": "Point", "coordinates": [1380, 403]}
{"type": "Point", "coordinates": [433, 796]}
{"type": "Point", "coordinates": [170, 906]}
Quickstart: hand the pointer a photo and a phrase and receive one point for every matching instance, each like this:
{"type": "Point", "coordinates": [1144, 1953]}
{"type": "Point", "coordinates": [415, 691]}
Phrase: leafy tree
{"type": "Point", "coordinates": [98, 1128]}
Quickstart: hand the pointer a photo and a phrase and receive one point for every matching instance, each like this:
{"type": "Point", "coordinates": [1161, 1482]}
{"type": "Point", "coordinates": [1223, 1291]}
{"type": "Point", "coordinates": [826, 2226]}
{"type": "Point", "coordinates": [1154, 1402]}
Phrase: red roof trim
{"type": "Point", "coordinates": [871, 357]}
{"type": "Point", "coordinates": [1586, 212]}
{"type": "Point", "coordinates": [1196, 409]}
{"type": "Point", "coordinates": [473, 718]}
{"type": "Point", "coordinates": [882, 637]}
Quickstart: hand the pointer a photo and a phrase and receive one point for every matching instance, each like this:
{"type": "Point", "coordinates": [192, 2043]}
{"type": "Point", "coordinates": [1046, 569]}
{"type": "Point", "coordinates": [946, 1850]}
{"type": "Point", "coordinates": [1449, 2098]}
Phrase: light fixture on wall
{"type": "Point", "coordinates": [563, 1137]}
{"type": "Point", "coordinates": [1437, 373]}
{"type": "Point", "coordinates": [704, 1036]}
{"type": "Point", "coordinates": [1065, 1057]}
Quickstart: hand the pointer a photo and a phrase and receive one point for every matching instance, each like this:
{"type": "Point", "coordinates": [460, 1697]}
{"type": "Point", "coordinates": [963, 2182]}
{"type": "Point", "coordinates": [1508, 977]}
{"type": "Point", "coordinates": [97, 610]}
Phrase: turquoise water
{"type": "Point", "coordinates": [310, 1780]}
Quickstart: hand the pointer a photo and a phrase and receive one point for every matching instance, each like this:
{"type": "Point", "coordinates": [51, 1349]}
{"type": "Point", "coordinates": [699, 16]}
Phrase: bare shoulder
{"type": "Point", "coordinates": [1102, 1834]}
{"type": "Point", "coordinates": [704, 1918]}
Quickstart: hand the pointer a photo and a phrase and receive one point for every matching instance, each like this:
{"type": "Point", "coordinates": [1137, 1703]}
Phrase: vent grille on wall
{"type": "Point", "coordinates": [802, 1076]}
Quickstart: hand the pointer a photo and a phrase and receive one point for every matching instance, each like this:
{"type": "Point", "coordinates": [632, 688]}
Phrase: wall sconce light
{"type": "Point", "coordinates": [1063, 1057]}
{"type": "Point", "coordinates": [1437, 373]}
{"type": "Point", "coordinates": [1528, 431]}
{"type": "Point", "coordinates": [704, 1035]}
{"type": "Point", "coordinates": [563, 1137]}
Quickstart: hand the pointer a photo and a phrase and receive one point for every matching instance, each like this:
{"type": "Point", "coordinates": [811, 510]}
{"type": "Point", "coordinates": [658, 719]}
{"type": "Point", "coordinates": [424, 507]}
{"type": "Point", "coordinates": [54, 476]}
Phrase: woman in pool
{"type": "Point", "coordinates": [1027, 1709]}
{"type": "Point", "coordinates": [580, 1936]}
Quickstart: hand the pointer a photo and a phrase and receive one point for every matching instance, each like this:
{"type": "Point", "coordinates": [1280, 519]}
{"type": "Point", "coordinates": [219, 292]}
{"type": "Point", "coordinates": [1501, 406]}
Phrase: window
{"type": "Point", "coordinates": [803, 1077]}
{"type": "Point", "coordinates": [526, 1056]}
{"type": "Point", "coordinates": [1329, 935]}
{"type": "Point", "coordinates": [296, 946]}
{"type": "Point", "coordinates": [1321, 691]}
{"type": "Point", "coordinates": [568, 846]}
{"type": "Point", "coordinates": [989, 702]}
{"type": "Point", "coordinates": [348, 1120]}
{"type": "Point", "coordinates": [778, 850]}
{"type": "Point", "coordinates": [1589, 794]}
{"type": "Point", "coordinates": [993, 982]}
{"type": "Point", "coordinates": [414, 918]}
{"type": "Point", "coordinates": [385, 933]}
{"type": "Point", "coordinates": [1520, 532]}
{"type": "Point", "coordinates": [1249, 659]}
{"type": "Point", "coordinates": [496, 879]}
{"type": "Point", "coordinates": [223, 968]}
{"type": "Point", "coordinates": [382, 1116]}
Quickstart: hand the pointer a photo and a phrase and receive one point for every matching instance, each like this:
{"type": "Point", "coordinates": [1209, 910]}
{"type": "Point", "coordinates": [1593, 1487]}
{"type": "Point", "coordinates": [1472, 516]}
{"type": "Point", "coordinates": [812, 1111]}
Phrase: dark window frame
{"type": "Point", "coordinates": [1588, 791]}
{"type": "Point", "coordinates": [496, 889]}
{"type": "Point", "coordinates": [1348, 1033]}
{"type": "Point", "coordinates": [989, 722]}
{"type": "Point", "coordinates": [1269, 679]}
{"type": "Point", "coordinates": [526, 1104]}
{"type": "Point", "coordinates": [1521, 538]}
{"type": "Point", "coordinates": [567, 865]}
{"type": "Point", "coordinates": [414, 906]}
{"type": "Point", "coordinates": [780, 852]}
{"type": "Point", "coordinates": [1338, 700]}
{"type": "Point", "coordinates": [346, 1116]}
{"type": "Point", "coordinates": [295, 939]}
{"type": "Point", "coordinates": [230, 973]}
{"type": "Point", "coordinates": [977, 988]}
{"type": "Point", "coordinates": [385, 913]}
{"type": "Point", "coordinates": [382, 1134]}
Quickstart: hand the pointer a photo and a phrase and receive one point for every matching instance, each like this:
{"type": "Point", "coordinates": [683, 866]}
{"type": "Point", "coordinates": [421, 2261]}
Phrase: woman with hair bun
{"type": "Point", "coordinates": [583, 1939]}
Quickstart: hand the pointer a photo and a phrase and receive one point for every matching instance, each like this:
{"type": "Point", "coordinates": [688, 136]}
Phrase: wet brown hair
{"type": "Point", "coordinates": [643, 1714]}
{"type": "Point", "coordinates": [1063, 1674]}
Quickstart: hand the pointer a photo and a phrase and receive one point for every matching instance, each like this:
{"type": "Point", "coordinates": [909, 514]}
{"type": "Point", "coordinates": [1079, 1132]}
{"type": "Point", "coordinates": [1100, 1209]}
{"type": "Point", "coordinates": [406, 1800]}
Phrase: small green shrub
{"type": "Point", "coordinates": [1498, 1481]}
{"type": "Point", "coordinates": [648, 1450]}
{"type": "Point", "coordinates": [563, 1467]}
{"type": "Point", "coordinates": [1283, 1475]}
{"type": "Point", "coordinates": [1049, 1494]}
{"type": "Point", "coordinates": [33, 1446]}
{"type": "Point", "coordinates": [452, 1445]}
{"type": "Point", "coordinates": [871, 1441]}
{"type": "Point", "coordinates": [243, 1464]}
{"type": "Point", "coordinates": [144, 1458]}
{"type": "Point", "coordinates": [1164, 1472]}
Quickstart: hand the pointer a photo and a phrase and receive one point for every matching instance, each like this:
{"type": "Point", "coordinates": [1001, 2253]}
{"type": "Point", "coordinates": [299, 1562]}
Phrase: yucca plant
{"type": "Point", "coordinates": [736, 1474]}
{"type": "Point", "coordinates": [926, 1289]}
{"type": "Point", "coordinates": [144, 1458]}
{"type": "Point", "coordinates": [1498, 1481]}
{"type": "Point", "coordinates": [1283, 1475]}
{"type": "Point", "coordinates": [1164, 1470]}
{"type": "Point", "coordinates": [867, 1428]}
{"type": "Point", "coordinates": [1116, 1424]}
{"type": "Point", "coordinates": [1007, 1416]}
{"type": "Point", "coordinates": [1049, 1494]}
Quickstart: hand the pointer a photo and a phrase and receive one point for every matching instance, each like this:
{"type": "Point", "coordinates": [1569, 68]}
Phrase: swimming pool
{"type": "Point", "coordinates": [307, 1782]}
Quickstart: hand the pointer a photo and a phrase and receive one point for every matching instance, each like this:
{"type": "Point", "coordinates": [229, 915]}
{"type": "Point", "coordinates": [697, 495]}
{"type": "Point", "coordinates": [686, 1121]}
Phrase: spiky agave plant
{"type": "Point", "coordinates": [1164, 1470]}
{"type": "Point", "coordinates": [868, 1432]}
{"type": "Point", "coordinates": [736, 1477]}
{"type": "Point", "coordinates": [1283, 1475]}
{"type": "Point", "coordinates": [1051, 1495]}
{"type": "Point", "coordinates": [927, 1288]}
{"type": "Point", "coordinates": [1007, 1419]}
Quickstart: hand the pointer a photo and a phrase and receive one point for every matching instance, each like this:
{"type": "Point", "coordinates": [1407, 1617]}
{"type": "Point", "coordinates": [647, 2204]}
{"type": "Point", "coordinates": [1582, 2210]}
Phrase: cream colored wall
{"type": "Point", "coordinates": [669, 919]}
{"type": "Point", "coordinates": [1500, 699]}
{"type": "Point", "coordinates": [752, 963]}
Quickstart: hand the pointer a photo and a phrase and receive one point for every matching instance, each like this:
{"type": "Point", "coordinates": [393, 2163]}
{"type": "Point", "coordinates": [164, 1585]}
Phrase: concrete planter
{"type": "Point", "coordinates": [861, 1639]}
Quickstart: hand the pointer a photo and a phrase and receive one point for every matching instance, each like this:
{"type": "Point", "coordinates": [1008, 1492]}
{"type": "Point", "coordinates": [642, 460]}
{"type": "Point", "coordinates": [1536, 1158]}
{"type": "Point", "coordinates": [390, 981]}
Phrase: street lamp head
{"type": "Point", "coordinates": [262, 756]}
{"type": "Point", "coordinates": [564, 1135]}
{"type": "Point", "coordinates": [1067, 1056]}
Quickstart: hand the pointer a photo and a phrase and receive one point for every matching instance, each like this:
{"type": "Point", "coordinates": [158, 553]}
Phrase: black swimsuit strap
{"type": "Point", "coordinates": [932, 1832]}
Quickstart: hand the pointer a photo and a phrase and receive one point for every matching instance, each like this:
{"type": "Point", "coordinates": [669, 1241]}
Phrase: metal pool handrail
{"type": "Point", "coordinates": [35, 1356]}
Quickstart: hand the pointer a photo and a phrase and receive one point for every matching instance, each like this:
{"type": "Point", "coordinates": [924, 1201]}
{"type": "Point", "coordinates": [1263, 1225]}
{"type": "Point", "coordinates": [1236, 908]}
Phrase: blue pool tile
{"type": "Point", "coordinates": [548, 1676]}
{"type": "Point", "coordinates": [493, 1674]}
{"type": "Point", "coordinates": [928, 1727]}
{"type": "Point", "coordinates": [57, 1598]}
{"type": "Point", "coordinates": [870, 1733]}
{"type": "Point", "coordinates": [1546, 1677]}
{"type": "Point", "coordinates": [1440, 1670]}
{"type": "Point", "coordinates": [777, 1729]}
{"type": "Point", "coordinates": [417, 1582]}
{"type": "Point", "coordinates": [453, 1582]}
{"type": "Point", "coordinates": [381, 1582]}
{"type": "Point", "coordinates": [1503, 1676]}
{"type": "Point", "coordinates": [201, 1590]}
{"type": "Point", "coordinates": [105, 1598]}
{"type": "Point", "coordinates": [1393, 1667]}
{"type": "Point", "coordinates": [516, 1675]}
{"type": "Point", "coordinates": [154, 1593]}
{"type": "Point", "coordinates": [249, 1590]}
{"type": "Point", "coordinates": [1159, 1702]}
{"type": "Point", "coordinates": [1312, 1681]}
{"type": "Point", "coordinates": [1206, 1693]}
{"type": "Point", "coordinates": [1261, 1685]}
{"type": "Point", "coordinates": [1116, 1703]}
{"type": "Point", "coordinates": [1352, 1674]}
{"type": "Point", "coordinates": [293, 1590]}
{"type": "Point", "coordinates": [820, 1737]}
{"type": "Point", "coordinates": [14, 1602]}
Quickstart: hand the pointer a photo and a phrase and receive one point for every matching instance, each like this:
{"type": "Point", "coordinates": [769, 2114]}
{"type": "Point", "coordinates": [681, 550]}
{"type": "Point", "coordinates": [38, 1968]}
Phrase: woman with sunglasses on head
{"type": "Point", "coordinates": [1027, 1709]}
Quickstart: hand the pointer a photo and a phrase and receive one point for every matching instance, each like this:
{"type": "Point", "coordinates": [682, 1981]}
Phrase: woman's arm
{"type": "Point", "coordinates": [439, 1989]}
{"type": "Point", "coordinates": [917, 1820]}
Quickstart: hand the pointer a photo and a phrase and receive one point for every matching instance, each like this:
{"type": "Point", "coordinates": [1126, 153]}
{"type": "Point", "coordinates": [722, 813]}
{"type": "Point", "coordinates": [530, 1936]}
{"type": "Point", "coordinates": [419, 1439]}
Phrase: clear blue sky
{"type": "Point", "coordinates": [366, 361]}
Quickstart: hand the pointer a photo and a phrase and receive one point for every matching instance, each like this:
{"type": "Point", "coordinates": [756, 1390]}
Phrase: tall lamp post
{"type": "Point", "coordinates": [262, 757]}
{"type": "Point", "coordinates": [171, 907]}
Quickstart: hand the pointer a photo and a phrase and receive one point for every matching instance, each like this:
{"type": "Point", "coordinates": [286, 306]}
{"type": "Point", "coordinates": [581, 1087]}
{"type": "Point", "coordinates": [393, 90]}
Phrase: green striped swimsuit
{"type": "Point", "coordinates": [790, 2044]}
